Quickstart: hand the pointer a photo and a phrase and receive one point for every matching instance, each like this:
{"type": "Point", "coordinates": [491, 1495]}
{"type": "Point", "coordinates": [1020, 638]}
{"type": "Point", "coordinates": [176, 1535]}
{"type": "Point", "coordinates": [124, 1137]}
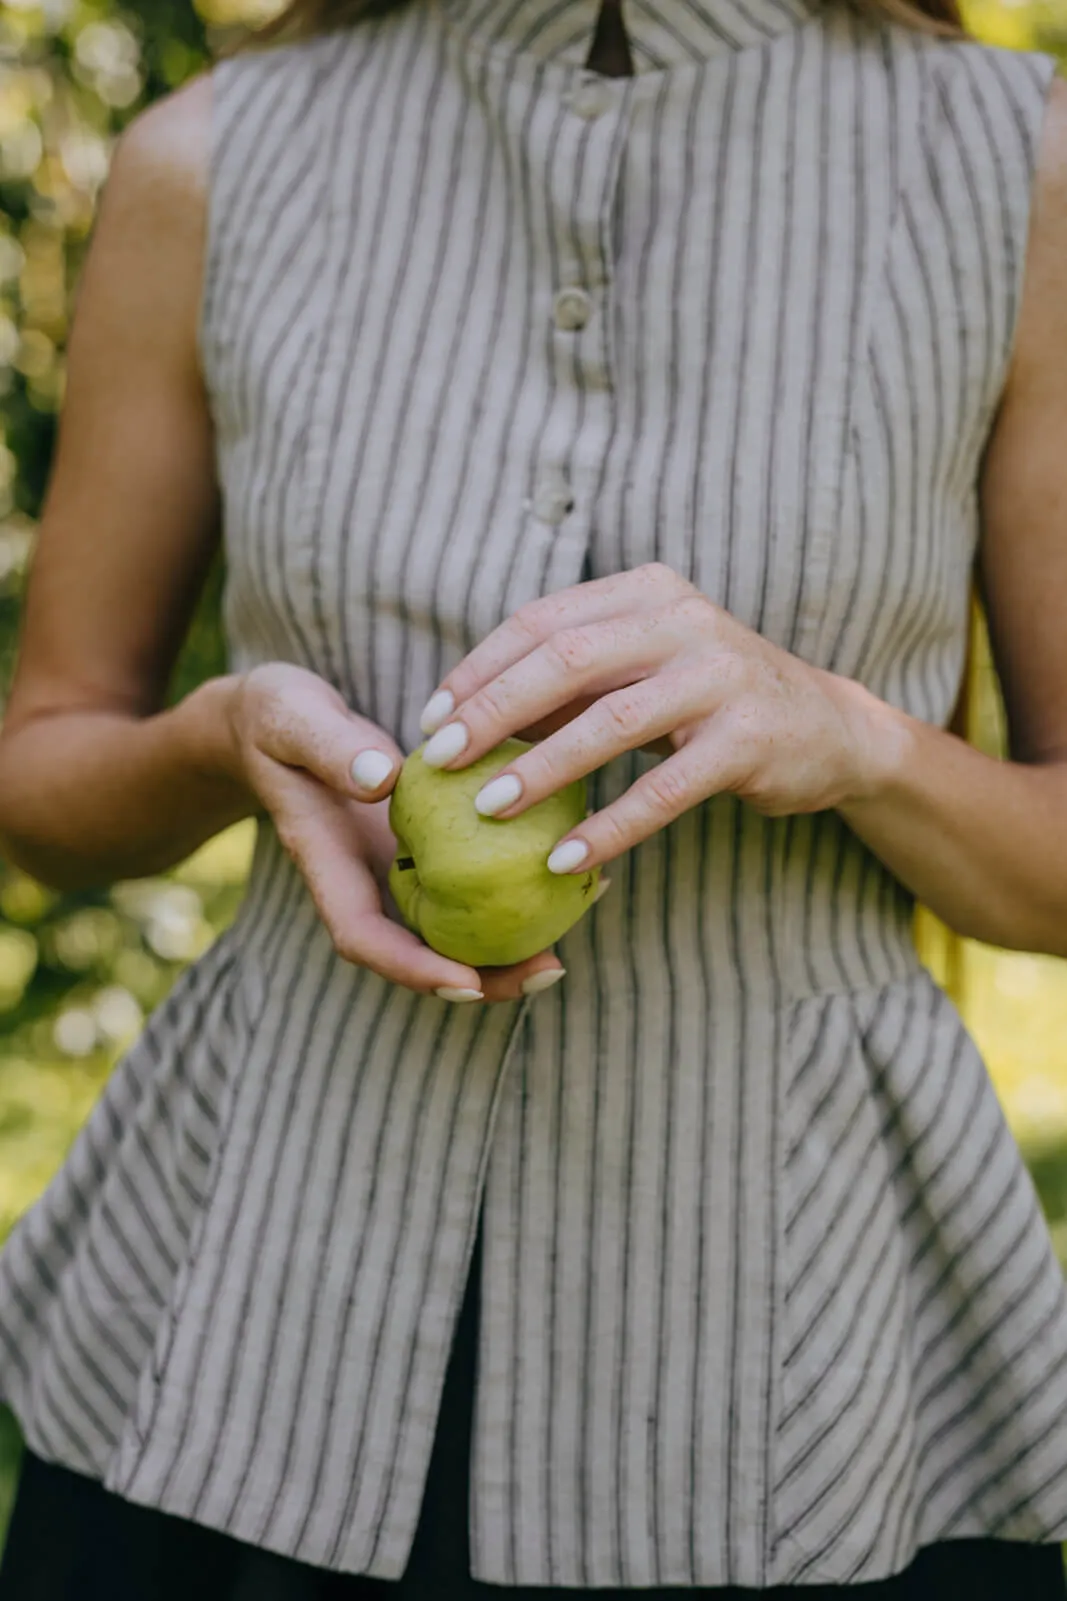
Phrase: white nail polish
{"type": "Point", "coordinates": [566, 857]}
{"type": "Point", "coordinates": [602, 889]}
{"type": "Point", "coordinates": [437, 708]}
{"type": "Point", "coordinates": [543, 980]}
{"type": "Point", "coordinates": [497, 795]}
{"type": "Point", "coordinates": [447, 993]}
{"type": "Point", "coordinates": [371, 768]}
{"type": "Point", "coordinates": [445, 744]}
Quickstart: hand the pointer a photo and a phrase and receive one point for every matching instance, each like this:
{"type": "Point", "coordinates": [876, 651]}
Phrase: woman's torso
{"type": "Point", "coordinates": [767, 1296]}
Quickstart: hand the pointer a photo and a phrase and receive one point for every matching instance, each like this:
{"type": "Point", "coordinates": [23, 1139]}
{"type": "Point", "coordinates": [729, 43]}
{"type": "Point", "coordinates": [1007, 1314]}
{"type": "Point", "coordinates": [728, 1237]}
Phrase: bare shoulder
{"type": "Point", "coordinates": [141, 284]}
{"type": "Point", "coordinates": [1049, 222]}
{"type": "Point", "coordinates": [1041, 337]}
{"type": "Point", "coordinates": [1024, 480]}
{"type": "Point", "coordinates": [1052, 161]}
{"type": "Point", "coordinates": [162, 159]}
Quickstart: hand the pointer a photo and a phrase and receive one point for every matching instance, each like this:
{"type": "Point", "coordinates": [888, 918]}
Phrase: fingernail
{"type": "Point", "coordinates": [447, 993]}
{"type": "Point", "coordinates": [498, 794]}
{"type": "Point", "coordinates": [566, 857]}
{"type": "Point", "coordinates": [445, 744]}
{"type": "Point", "coordinates": [601, 889]}
{"type": "Point", "coordinates": [437, 708]}
{"type": "Point", "coordinates": [371, 768]}
{"type": "Point", "coordinates": [543, 980]}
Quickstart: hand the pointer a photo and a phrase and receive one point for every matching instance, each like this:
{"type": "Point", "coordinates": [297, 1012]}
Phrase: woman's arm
{"type": "Point", "coordinates": [96, 781]}
{"type": "Point", "coordinates": [984, 843]}
{"type": "Point", "coordinates": [640, 659]}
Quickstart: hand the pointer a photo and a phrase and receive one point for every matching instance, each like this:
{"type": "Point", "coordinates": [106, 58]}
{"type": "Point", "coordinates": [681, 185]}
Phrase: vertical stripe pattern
{"type": "Point", "coordinates": [767, 1296]}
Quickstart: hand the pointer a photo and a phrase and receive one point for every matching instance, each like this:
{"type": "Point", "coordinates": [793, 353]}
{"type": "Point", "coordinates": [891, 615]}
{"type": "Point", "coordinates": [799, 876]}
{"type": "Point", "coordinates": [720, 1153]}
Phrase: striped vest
{"type": "Point", "coordinates": [767, 1295]}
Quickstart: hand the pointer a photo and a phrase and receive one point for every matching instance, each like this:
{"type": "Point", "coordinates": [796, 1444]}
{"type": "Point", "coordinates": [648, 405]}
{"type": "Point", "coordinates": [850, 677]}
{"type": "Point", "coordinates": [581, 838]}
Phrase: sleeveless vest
{"type": "Point", "coordinates": [767, 1294]}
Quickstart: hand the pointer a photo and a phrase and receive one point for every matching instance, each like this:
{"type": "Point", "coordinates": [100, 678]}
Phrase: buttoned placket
{"type": "Point", "coordinates": [577, 311]}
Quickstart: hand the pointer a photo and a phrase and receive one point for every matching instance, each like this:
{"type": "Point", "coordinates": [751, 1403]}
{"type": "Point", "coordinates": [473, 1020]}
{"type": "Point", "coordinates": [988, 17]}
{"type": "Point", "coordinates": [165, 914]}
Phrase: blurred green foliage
{"type": "Point", "coordinates": [79, 973]}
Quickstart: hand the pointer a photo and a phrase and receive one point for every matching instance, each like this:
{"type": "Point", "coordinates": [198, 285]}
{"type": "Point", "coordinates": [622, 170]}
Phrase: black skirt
{"type": "Point", "coordinates": [72, 1540]}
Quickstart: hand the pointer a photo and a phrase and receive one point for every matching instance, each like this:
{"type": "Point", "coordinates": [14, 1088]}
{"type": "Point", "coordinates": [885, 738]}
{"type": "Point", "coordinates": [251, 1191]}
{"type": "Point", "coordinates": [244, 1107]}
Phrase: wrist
{"type": "Point", "coordinates": [209, 732]}
{"type": "Point", "coordinates": [883, 739]}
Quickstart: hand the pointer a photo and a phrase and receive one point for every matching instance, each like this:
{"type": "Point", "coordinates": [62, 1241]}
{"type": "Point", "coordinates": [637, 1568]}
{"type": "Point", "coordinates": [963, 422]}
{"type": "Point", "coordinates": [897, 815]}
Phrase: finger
{"type": "Point", "coordinates": [565, 714]}
{"type": "Point", "coordinates": [697, 771]}
{"type": "Point", "coordinates": [627, 719]}
{"type": "Point", "coordinates": [524, 979]}
{"type": "Point", "coordinates": [364, 936]}
{"type": "Point", "coordinates": [616, 595]}
{"type": "Point", "coordinates": [589, 660]}
{"type": "Point", "coordinates": [349, 902]}
{"type": "Point", "coordinates": [396, 954]}
{"type": "Point", "coordinates": [352, 755]}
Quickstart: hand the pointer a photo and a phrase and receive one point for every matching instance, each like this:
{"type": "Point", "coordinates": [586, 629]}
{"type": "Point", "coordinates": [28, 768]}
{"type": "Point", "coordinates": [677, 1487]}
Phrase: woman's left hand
{"type": "Point", "coordinates": [642, 659]}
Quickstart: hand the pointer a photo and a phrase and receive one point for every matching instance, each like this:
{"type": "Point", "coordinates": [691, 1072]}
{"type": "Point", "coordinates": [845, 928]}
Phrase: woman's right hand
{"type": "Point", "coordinates": [299, 749]}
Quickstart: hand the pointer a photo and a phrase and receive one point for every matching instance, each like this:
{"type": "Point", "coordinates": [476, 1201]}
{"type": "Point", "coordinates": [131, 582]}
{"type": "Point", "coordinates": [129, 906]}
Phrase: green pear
{"type": "Point", "coordinates": [477, 888]}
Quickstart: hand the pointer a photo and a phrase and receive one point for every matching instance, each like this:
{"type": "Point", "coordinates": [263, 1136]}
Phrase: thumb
{"type": "Point", "coordinates": [374, 767]}
{"type": "Point", "coordinates": [347, 752]}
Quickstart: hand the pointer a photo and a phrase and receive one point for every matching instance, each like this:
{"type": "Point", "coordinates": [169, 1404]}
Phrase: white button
{"type": "Point", "coordinates": [572, 309]}
{"type": "Point", "coordinates": [553, 499]}
{"type": "Point", "coordinates": [591, 100]}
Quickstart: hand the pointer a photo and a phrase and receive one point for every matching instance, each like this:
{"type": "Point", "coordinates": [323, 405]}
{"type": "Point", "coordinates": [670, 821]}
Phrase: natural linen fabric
{"type": "Point", "coordinates": [768, 1298]}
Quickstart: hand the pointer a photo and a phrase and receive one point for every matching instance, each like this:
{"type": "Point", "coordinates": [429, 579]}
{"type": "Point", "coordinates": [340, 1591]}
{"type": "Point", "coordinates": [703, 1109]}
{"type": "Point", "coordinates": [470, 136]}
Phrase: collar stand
{"type": "Point", "coordinates": [662, 33]}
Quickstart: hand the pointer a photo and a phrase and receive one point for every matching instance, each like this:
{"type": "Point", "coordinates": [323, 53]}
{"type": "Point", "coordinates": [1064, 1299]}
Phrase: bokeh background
{"type": "Point", "coordinates": [79, 973]}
